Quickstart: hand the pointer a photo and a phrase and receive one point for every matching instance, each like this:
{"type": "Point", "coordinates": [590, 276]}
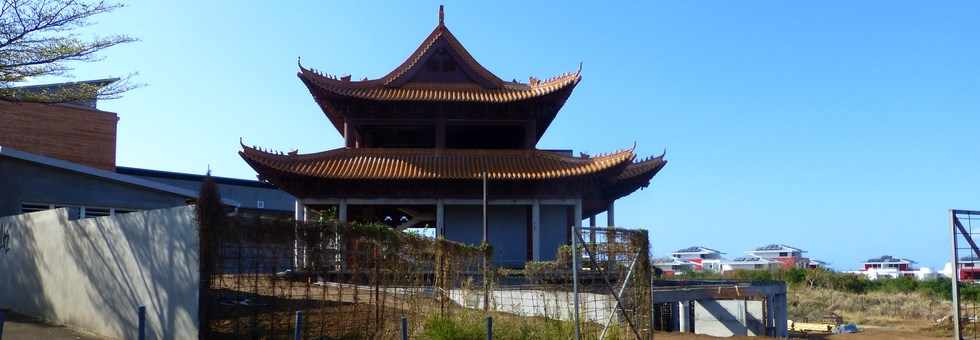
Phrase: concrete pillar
{"type": "Point", "coordinates": [684, 317]}
{"type": "Point", "coordinates": [592, 233]}
{"type": "Point", "coordinates": [440, 219]}
{"type": "Point", "coordinates": [779, 315]}
{"type": "Point", "coordinates": [342, 211]}
{"type": "Point", "coordinates": [346, 134]}
{"type": "Point", "coordinates": [578, 213]}
{"type": "Point", "coordinates": [611, 214]}
{"type": "Point", "coordinates": [299, 214]}
{"type": "Point", "coordinates": [536, 230]}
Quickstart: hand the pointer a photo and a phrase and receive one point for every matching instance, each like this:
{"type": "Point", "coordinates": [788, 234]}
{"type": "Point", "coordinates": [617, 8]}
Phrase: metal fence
{"type": "Point", "coordinates": [965, 227]}
{"type": "Point", "coordinates": [353, 281]}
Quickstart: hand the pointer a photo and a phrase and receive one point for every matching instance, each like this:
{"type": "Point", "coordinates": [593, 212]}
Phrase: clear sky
{"type": "Point", "coordinates": [846, 128]}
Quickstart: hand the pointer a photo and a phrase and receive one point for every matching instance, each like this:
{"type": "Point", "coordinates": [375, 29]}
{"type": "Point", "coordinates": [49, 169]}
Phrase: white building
{"type": "Point", "coordinates": [888, 266]}
{"type": "Point", "coordinates": [751, 263]}
{"type": "Point", "coordinates": [788, 257]}
{"type": "Point", "coordinates": [672, 266]}
{"type": "Point", "coordinates": [703, 258]}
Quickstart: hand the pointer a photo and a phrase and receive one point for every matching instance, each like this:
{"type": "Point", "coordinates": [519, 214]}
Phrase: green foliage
{"type": "Point", "coordinates": [443, 328]}
{"type": "Point", "coordinates": [39, 38]}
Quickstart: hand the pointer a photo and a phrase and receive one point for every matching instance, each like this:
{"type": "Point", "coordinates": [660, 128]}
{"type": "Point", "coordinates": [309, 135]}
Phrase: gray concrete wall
{"type": "Point", "coordinates": [726, 318]}
{"type": "Point", "coordinates": [24, 181]}
{"type": "Point", "coordinates": [92, 274]}
{"type": "Point", "coordinates": [246, 195]}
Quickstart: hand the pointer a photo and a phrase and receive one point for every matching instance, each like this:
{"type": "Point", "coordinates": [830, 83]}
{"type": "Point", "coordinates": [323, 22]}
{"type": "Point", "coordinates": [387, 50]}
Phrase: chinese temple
{"type": "Point", "coordinates": [424, 143]}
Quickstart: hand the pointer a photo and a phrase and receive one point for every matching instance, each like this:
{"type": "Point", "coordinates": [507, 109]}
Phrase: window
{"type": "Point", "coordinates": [123, 211]}
{"type": "Point", "coordinates": [260, 204]}
{"type": "Point", "coordinates": [97, 212]}
{"type": "Point", "coordinates": [33, 207]}
{"type": "Point", "coordinates": [784, 254]}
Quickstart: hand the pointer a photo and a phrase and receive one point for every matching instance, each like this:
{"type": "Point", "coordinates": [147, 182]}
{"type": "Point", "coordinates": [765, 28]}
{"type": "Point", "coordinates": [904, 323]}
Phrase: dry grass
{"type": "Point", "coordinates": [875, 308]}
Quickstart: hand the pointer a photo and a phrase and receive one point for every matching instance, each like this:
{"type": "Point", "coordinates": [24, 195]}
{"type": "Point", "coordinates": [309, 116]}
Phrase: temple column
{"type": "Point", "coordinates": [611, 214]}
{"type": "Point", "coordinates": [440, 219]}
{"type": "Point", "coordinates": [592, 232]}
{"type": "Point", "coordinates": [299, 214]}
{"type": "Point", "coordinates": [536, 230]}
{"type": "Point", "coordinates": [348, 140]}
{"type": "Point", "coordinates": [342, 211]}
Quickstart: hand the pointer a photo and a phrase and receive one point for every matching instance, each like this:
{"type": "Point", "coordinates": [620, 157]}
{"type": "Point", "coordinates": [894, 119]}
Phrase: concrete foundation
{"type": "Point", "coordinates": [723, 309]}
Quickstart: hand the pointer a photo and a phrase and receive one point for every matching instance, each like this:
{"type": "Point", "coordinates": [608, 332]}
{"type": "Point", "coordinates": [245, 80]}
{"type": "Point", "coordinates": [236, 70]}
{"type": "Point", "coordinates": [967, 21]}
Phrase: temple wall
{"type": "Point", "coordinates": [555, 227]}
{"type": "Point", "coordinates": [507, 230]}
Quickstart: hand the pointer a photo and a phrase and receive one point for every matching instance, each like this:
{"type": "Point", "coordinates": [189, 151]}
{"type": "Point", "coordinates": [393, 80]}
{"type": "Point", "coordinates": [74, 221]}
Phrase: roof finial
{"type": "Point", "coordinates": [442, 15]}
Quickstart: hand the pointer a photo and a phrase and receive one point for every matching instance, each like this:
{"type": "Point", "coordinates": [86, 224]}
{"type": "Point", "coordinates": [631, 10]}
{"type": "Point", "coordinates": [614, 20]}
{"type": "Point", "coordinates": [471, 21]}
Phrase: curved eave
{"type": "Point", "coordinates": [326, 87]}
{"type": "Point", "coordinates": [634, 177]}
{"type": "Point", "coordinates": [430, 164]}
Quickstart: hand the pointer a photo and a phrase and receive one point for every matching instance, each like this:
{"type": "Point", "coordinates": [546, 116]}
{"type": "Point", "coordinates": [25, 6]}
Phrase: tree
{"type": "Point", "coordinates": [39, 38]}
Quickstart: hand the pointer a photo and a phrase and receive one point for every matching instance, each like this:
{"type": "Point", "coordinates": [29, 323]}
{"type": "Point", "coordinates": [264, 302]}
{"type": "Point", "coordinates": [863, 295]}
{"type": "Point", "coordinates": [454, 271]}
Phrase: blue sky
{"type": "Point", "coordinates": [844, 128]}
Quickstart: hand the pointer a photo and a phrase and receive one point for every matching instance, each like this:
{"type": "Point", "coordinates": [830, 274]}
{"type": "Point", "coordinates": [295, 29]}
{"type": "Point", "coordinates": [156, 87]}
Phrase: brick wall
{"type": "Point", "coordinates": [70, 133]}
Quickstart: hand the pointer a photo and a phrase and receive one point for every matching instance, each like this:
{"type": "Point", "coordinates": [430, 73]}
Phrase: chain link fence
{"type": "Point", "coordinates": [356, 281]}
{"type": "Point", "coordinates": [965, 226]}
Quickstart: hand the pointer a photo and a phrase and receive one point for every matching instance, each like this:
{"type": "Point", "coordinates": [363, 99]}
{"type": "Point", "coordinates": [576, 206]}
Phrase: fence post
{"type": "Point", "coordinates": [404, 328]}
{"type": "Point", "coordinates": [141, 316]}
{"type": "Point", "coordinates": [489, 328]}
{"type": "Point", "coordinates": [298, 334]}
{"type": "Point", "coordinates": [3, 318]}
{"type": "Point", "coordinates": [575, 236]}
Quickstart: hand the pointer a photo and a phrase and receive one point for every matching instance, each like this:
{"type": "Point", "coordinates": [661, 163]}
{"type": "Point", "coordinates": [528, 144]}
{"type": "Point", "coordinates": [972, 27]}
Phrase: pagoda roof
{"type": "Point", "coordinates": [441, 164]}
{"type": "Point", "coordinates": [474, 83]}
{"type": "Point", "coordinates": [509, 92]}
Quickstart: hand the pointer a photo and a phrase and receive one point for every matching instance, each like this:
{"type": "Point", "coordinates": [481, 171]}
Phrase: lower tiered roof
{"type": "Point", "coordinates": [618, 173]}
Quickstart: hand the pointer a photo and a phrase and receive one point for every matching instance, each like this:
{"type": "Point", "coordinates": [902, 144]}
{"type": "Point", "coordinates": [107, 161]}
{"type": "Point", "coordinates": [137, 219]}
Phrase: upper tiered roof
{"type": "Point", "coordinates": [440, 70]}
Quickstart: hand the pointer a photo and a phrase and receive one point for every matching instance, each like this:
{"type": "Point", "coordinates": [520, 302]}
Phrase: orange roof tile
{"type": "Point", "coordinates": [378, 163]}
{"type": "Point", "coordinates": [394, 85]}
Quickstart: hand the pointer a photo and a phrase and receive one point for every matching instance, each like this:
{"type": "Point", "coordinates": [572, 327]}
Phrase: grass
{"type": "Point", "coordinates": [874, 308]}
{"type": "Point", "coordinates": [471, 325]}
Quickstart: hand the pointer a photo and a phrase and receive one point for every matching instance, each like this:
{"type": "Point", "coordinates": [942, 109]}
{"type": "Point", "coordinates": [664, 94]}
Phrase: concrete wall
{"type": "Point", "coordinates": [92, 274]}
{"type": "Point", "coordinates": [24, 181]}
{"type": "Point", "coordinates": [729, 318]}
{"type": "Point", "coordinates": [248, 196]}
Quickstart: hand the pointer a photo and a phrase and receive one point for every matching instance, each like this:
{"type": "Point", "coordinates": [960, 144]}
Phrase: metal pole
{"type": "Point", "coordinates": [955, 278]}
{"type": "Point", "coordinates": [298, 334]}
{"type": "Point", "coordinates": [484, 175]}
{"type": "Point", "coordinates": [578, 329]}
{"type": "Point", "coordinates": [141, 317]}
{"type": "Point", "coordinates": [489, 328]}
{"type": "Point", "coordinates": [404, 328]}
{"type": "Point", "coordinates": [622, 289]}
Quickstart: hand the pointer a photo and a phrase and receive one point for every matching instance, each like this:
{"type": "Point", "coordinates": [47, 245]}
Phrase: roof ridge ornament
{"type": "Point", "coordinates": [442, 16]}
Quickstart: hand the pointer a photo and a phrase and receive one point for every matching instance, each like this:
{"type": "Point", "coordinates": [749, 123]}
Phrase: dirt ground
{"type": "Point", "coordinates": [19, 327]}
{"type": "Point", "coordinates": [865, 334]}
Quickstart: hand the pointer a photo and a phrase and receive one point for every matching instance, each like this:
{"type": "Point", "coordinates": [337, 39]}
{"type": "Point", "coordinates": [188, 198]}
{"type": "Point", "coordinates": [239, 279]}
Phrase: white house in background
{"type": "Point", "coordinates": [751, 263]}
{"type": "Point", "coordinates": [788, 257]}
{"type": "Point", "coordinates": [887, 266]}
{"type": "Point", "coordinates": [817, 264]}
{"type": "Point", "coordinates": [672, 266]}
{"type": "Point", "coordinates": [703, 258]}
